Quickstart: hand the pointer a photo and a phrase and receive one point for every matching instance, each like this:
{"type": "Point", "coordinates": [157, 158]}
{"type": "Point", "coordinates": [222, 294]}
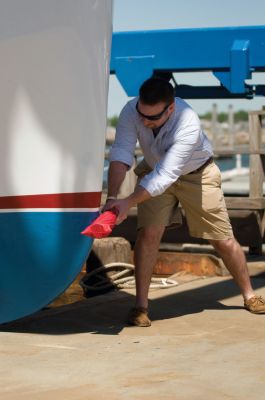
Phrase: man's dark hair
{"type": "Point", "coordinates": [156, 90]}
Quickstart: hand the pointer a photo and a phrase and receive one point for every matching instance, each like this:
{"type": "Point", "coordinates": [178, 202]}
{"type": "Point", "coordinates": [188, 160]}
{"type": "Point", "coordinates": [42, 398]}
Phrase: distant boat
{"type": "Point", "coordinates": [53, 99]}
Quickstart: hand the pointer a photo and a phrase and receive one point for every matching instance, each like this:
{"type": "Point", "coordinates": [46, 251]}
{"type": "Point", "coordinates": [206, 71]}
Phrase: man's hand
{"type": "Point", "coordinates": [108, 205]}
{"type": "Point", "coordinates": [120, 207]}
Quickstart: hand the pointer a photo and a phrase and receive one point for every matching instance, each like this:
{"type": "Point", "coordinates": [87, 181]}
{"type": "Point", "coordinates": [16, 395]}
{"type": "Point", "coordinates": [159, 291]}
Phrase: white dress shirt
{"type": "Point", "coordinates": [179, 148]}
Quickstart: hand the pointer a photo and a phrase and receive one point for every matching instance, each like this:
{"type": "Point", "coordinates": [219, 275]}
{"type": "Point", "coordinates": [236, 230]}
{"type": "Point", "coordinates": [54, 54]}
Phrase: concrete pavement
{"type": "Point", "coordinates": [202, 345]}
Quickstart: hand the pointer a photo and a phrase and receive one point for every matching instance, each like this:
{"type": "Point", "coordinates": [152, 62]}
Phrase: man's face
{"type": "Point", "coordinates": [161, 111]}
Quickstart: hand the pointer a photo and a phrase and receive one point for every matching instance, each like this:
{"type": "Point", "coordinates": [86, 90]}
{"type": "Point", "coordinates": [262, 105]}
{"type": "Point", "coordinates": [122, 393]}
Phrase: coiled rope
{"type": "Point", "coordinates": [119, 280]}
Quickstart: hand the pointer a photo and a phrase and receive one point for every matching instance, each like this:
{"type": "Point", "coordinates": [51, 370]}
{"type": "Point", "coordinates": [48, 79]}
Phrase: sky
{"type": "Point", "coordinates": [130, 15]}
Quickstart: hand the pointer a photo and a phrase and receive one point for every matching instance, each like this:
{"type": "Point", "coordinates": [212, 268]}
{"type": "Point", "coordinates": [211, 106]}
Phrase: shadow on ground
{"type": "Point", "coordinates": [106, 314]}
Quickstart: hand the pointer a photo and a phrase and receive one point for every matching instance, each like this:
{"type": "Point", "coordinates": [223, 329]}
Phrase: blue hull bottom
{"type": "Point", "coordinates": [41, 253]}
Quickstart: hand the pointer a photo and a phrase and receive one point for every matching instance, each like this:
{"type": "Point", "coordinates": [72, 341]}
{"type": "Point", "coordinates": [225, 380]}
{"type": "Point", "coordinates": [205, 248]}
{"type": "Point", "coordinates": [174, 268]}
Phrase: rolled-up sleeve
{"type": "Point", "coordinates": [170, 166]}
{"type": "Point", "coordinates": [123, 147]}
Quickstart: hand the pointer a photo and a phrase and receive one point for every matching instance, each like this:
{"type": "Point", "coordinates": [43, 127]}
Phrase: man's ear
{"type": "Point", "coordinates": [171, 107]}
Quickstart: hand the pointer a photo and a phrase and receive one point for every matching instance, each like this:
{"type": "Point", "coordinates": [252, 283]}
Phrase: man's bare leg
{"type": "Point", "coordinates": [235, 261]}
{"type": "Point", "coordinates": [145, 256]}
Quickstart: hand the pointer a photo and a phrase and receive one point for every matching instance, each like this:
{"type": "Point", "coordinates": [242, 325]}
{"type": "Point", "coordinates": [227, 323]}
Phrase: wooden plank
{"type": "Point", "coordinates": [232, 203]}
{"type": "Point", "coordinates": [237, 150]}
{"type": "Point", "coordinates": [245, 203]}
{"type": "Point", "coordinates": [256, 172]}
{"type": "Point", "coordinates": [255, 130]}
{"type": "Point", "coordinates": [256, 175]}
{"type": "Point", "coordinates": [171, 262]}
{"type": "Point", "coordinates": [259, 112]}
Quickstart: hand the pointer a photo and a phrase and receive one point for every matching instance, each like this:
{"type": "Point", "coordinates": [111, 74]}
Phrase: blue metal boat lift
{"type": "Point", "coordinates": [232, 54]}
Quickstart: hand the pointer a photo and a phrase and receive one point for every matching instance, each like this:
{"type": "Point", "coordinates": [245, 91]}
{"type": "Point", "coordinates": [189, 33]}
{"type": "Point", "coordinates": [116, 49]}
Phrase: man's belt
{"type": "Point", "coordinates": [207, 162]}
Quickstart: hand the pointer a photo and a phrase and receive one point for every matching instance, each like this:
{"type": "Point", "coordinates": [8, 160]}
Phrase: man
{"type": "Point", "coordinates": [178, 166]}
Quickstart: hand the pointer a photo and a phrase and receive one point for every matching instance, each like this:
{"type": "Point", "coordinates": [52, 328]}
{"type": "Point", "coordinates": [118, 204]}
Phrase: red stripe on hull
{"type": "Point", "coordinates": [58, 200]}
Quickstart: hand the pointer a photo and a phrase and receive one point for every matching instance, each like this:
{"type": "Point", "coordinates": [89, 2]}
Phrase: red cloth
{"type": "Point", "coordinates": [102, 226]}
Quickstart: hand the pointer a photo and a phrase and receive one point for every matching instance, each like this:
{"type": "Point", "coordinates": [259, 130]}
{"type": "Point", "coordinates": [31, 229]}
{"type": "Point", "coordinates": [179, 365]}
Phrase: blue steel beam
{"type": "Point", "coordinates": [230, 53]}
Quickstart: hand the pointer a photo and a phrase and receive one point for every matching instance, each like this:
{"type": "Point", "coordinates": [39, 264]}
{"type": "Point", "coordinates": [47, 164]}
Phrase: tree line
{"type": "Point", "coordinates": [239, 116]}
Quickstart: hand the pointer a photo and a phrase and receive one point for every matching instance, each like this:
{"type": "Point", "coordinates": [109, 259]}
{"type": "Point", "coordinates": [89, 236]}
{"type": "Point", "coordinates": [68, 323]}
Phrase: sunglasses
{"type": "Point", "coordinates": [151, 117]}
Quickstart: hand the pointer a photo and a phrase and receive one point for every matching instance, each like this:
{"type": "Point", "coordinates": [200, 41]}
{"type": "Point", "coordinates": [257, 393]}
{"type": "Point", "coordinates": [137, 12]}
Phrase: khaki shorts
{"type": "Point", "coordinates": [201, 198]}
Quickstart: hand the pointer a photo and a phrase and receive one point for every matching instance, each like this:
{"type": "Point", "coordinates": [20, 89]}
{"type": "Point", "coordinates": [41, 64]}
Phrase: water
{"type": "Point", "coordinates": [230, 162]}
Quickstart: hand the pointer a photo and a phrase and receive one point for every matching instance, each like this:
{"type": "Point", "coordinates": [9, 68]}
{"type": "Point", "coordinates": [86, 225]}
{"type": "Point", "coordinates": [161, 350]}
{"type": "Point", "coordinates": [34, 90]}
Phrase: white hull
{"type": "Point", "coordinates": [53, 98]}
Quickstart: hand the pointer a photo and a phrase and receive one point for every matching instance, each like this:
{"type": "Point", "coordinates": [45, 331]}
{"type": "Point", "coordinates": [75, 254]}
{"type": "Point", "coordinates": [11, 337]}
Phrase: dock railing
{"type": "Point", "coordinates": [254, 204]}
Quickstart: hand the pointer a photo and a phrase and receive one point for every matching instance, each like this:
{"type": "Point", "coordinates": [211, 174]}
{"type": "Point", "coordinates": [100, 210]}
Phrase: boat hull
{"type": "Point", "coordinates": [40, 255]}
{"type": "Point", "coordinates": [53, 107]}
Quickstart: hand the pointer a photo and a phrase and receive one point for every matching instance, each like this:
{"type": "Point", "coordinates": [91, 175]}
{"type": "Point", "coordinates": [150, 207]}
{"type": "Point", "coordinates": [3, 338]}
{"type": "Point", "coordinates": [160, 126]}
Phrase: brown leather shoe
{"type": "Point", "coordinates": [255, 304]}
{"type": "Point", "coordinates": [138, 316]}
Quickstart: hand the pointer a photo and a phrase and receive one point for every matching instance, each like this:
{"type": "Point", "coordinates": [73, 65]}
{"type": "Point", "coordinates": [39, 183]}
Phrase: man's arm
{"type": "Point", "coordinates": [116, 175]}
{"type": "Point", "coordinates": [138, 196]}
{"type": "Point", "coordinates": [122, 151]}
